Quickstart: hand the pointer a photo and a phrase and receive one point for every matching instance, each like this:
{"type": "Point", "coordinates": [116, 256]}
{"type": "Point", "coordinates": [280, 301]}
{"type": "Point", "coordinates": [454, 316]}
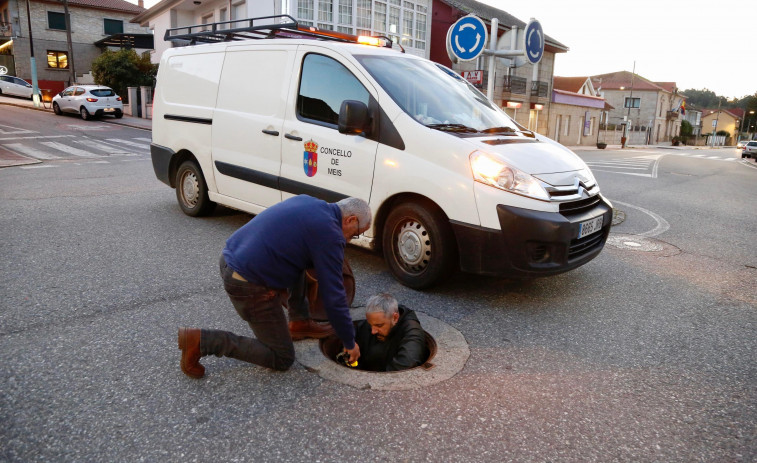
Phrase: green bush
{"type": "Point", "coordinates": [123, 68]}
{"type": "Point", "coordinates": [723, 133]}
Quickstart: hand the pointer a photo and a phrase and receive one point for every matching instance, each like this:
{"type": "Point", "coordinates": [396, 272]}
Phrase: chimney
{"type": "Point", "coordinates": [141, 3]}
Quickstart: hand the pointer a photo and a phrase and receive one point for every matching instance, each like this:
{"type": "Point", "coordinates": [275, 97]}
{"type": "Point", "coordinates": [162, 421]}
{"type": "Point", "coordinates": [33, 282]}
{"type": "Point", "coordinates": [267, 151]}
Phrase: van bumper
{"type": "Point", "coordinates": [531, 243]}
{"type": "Point", "coordinates": [161, 162]}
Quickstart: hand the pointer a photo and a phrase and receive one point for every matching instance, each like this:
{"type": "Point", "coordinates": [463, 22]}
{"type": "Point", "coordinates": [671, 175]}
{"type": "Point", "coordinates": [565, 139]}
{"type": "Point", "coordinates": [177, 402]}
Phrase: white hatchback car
{"type": "Point", "coordinates": [10, 85]}
{"type": "Point", "coordinates": [88, 101]}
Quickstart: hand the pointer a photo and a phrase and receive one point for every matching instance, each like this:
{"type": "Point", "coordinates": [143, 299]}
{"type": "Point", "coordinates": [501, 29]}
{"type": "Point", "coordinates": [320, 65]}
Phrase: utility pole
{"type": "Point", "coordinates": [71, 66]}
{"type": "Point", "coordinates": [35, 87]}
{"type": "Point", "coordinates": [630, 103]}
{"type": "Point", "coordinates": [715, 129]}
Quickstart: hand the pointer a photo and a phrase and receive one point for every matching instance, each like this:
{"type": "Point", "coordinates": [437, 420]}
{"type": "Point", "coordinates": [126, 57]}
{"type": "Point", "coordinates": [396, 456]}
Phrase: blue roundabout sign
{"type": "Point", "coordinates": [534, 41]}
{"type": "Point", "coordinates": [467, 38]}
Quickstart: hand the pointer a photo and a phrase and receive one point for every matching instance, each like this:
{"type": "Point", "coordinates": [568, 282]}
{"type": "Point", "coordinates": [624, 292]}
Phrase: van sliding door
{"type": "Point", "coordinates": [247, 124]}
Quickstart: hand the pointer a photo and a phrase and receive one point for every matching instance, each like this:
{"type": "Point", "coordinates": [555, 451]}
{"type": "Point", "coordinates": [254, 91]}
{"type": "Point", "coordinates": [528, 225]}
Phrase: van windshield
{"type": "Point", "coordinates": [436, 96]}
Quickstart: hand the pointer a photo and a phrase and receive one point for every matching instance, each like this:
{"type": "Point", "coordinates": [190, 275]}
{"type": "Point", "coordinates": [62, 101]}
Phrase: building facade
{"type": "Point", "coordinates": [714, 121]}
{"type": "Point", "coordinates": [575, 112]}
{"type": "Point", "coordinates": [406, 22]}
{"type": "Point", "coordinates": [651, 110]}
{"type": "Point", "coordinates": [90, 22]}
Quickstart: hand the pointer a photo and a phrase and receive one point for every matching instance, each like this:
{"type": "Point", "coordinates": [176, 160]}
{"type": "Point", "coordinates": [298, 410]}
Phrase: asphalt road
{"type": "Point", "coordinates": [636, 356]}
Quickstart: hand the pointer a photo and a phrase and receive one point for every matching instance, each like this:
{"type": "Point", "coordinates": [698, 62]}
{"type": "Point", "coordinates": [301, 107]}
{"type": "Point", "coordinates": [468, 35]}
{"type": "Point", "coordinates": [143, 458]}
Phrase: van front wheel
{"type": "Point", "coordinates": [191, 190]}
{"type": "Point", "coordinates": [419, 245]}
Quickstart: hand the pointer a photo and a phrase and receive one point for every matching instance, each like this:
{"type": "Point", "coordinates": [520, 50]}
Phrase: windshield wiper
{"type": "Point", "coordinates": [499, 130]}
{"type": "Point", "coordinates": [525, 132]}
{"type": "Point", "coordinates": [452, 128]}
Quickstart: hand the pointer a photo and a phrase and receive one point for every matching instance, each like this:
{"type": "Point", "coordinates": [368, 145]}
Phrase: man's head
{"type": "Point", "coordinates": [382, 314]}
{"type": "Point", "coordinates": [356, 217]}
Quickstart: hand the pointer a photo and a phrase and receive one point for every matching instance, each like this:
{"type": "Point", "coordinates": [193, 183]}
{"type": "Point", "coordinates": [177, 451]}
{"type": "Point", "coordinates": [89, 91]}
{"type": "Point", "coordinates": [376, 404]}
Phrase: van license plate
{"type": "Point", "coordinates": [590, 226]}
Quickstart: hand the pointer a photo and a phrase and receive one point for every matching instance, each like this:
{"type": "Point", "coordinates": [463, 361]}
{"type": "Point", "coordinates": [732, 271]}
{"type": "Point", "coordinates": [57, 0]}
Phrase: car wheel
{"type": "Point", "coordinates": [191, 190]}
{"type": "Point", "coordinates": [56, 109]}
{"type": "Point", "coordinates": [119, 114]}
{"type": "Point", "coordinates": [419, 245]}
{"type": "Point", "coordinates": [84, 114]}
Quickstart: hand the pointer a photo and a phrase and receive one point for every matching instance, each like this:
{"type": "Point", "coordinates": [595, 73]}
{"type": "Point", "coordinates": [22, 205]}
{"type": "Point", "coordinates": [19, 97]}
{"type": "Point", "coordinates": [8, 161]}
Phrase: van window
{"type": "Point", "coordinates": [324, 85]}
{"type": "Point", "coordinates": [435, 96]}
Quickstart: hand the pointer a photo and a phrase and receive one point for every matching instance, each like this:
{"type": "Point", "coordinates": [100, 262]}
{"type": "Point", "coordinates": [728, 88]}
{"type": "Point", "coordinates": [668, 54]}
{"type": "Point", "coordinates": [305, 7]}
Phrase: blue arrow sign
{"type": "Point", "coordinates": [467, 38]}
{"type": "Point", "coordinates": [534, 41]}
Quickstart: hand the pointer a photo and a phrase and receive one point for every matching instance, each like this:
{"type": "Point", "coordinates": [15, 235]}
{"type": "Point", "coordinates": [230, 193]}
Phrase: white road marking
{"type": "Point", "coordinates": [148, 140]}
{"type": "Point", "coordinates": [130, 143]}
{"type": "Point", "coordinates": [30, 151]}
{"type": "Point", "coordinates": [662, 224]}
{"type": "Point", "coordinates": [17, 130]}
{"type": "Point", "coordinates": [110, 149]}
{"type": "Point", "coordinates": [70, 149]}
{"type": "Point", "coordinates": [40, 166]}
{"type": "Point", "coordinates": [35, 138]}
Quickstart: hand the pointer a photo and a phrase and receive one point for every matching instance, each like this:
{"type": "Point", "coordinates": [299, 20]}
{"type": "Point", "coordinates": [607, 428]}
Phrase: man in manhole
{"type": "Point", "coordinates": [263, 263]}
{"type": "Point", "coordinates": [391, 337]}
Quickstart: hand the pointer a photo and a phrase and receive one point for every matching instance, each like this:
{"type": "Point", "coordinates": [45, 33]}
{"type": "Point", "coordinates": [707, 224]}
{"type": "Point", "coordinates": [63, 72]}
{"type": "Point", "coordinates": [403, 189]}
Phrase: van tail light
{"type": "Point", "coordinates": [91, 100]}
{"type": "Point", "coordinates": [118, 98]}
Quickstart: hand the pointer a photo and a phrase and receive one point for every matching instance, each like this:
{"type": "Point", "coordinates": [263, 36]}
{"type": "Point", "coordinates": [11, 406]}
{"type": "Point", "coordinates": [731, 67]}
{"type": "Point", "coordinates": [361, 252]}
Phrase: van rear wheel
{"type": "Point", "coordinates": [191, 190]}
{"type": "Point", "coordinates": [419, 245]}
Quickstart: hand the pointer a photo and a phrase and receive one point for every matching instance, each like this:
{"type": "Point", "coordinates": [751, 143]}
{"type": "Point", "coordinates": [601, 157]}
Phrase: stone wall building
{"type": "Point", "coordinates": [652, 107]}
{"type": "Point", "coordinates": [576, 111]}
{"type": "Point", "coordinates": [91, 22]}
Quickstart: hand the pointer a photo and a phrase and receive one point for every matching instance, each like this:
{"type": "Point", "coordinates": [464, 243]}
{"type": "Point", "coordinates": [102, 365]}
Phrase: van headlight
{"type": "Point", "coordinates": [491, 170]}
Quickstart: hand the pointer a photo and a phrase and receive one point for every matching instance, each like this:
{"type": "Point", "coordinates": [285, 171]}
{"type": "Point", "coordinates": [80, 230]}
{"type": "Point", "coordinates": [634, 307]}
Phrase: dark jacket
{"type": "Point", "coordinates": [405, 346]}
{"type": "Point", "coordinates": [279, 244]}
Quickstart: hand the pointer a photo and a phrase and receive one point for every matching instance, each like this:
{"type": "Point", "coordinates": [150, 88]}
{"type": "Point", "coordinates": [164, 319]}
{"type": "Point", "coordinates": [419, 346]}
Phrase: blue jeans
{"type": "Point", "coordinates": [262, 308]}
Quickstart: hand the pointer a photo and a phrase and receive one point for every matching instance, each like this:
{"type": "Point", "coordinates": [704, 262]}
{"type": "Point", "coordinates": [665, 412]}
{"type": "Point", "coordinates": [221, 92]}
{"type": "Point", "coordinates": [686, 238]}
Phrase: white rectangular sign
{"type": "Point", "coordinates": [474, 77]}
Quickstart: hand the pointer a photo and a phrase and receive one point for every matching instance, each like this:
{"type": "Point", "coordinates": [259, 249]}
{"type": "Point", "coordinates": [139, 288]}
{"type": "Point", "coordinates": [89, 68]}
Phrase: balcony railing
{"type": "Point", "coordinates": [6, 30]}
{"type": "Point", "coordinates": [671, 115]}
{"type": "Point", "coordinates": [515, 84]}
{"type": "Point", "coordinates": [539, 89]}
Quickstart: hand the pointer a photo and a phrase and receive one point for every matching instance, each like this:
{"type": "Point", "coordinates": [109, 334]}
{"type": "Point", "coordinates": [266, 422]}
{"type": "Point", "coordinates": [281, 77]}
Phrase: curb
{"type": "Point", "coordinates": [110, 121]}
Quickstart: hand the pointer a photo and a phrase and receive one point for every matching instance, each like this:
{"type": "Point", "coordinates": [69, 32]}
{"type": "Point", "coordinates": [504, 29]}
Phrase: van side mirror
{"type": "Point", "coordinates": [353, 117]}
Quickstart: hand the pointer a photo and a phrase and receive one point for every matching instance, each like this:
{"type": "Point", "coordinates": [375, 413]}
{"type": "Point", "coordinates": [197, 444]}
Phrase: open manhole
{"type": "Point", "coordinates": [448, 352]}
{"type": "Point", "coordinates": [332, 346]}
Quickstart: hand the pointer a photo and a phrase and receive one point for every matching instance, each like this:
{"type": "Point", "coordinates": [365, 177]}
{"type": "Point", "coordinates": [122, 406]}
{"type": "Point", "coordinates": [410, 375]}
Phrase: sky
{"type": "Point", "coordinates": [696, 43]}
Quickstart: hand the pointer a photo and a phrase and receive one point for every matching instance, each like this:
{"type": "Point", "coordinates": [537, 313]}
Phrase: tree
{"type": "Point", "coordinates": [123, 68]}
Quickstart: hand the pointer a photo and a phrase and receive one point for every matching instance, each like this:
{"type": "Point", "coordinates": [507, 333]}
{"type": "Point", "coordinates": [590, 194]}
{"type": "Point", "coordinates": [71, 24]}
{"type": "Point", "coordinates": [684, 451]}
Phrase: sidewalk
{"type": "Point", "coordinates": [129, 121]}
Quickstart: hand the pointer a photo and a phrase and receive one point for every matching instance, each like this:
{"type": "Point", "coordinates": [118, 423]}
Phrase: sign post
{"type": "Point", "coordinates": [466, 41]}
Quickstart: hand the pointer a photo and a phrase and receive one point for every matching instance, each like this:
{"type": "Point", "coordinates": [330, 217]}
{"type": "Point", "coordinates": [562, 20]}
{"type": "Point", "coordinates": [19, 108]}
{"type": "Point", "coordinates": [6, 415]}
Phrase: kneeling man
{"type": "Point", "coordinates": [391, 337]}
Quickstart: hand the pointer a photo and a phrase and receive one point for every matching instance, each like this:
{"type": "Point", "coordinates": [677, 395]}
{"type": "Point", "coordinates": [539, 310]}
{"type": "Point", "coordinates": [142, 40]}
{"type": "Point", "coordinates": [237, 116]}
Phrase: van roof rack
{"type": "Point", "coordinates": [265, 27]}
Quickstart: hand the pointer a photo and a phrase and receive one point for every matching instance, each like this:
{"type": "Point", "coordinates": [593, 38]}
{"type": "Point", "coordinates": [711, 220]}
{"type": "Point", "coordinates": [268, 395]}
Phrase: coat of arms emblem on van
{"type": "Point", "coordinates": [310, 158]}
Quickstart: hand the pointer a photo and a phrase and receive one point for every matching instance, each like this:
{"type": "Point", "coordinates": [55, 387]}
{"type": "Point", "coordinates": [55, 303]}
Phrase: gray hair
{"type": "Point", "coordinates": [357, 207]}
{"type": "Point", "coordinates": [382, 302]}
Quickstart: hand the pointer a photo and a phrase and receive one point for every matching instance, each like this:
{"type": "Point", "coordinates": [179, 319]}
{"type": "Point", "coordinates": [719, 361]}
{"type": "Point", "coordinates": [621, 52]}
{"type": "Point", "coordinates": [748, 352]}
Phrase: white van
{"type": "Point", "coordinates": [453, 182]}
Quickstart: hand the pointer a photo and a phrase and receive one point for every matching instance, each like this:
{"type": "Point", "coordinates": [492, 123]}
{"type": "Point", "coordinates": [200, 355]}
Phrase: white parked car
{"type": "Point", "coordinates": [88, 101]}
{"type": "Point", "coordinates": [741, 144]}
{"type": "Point", "coordinates": [10, 85]}
{"type": "Point", "coordinates": [750, 150]}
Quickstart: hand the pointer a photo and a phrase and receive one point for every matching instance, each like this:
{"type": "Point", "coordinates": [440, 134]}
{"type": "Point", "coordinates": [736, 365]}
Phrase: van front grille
{"type": "Point", "coordinates": [585, 245]}
{"type": "Point", "coordinates": [569, 208]}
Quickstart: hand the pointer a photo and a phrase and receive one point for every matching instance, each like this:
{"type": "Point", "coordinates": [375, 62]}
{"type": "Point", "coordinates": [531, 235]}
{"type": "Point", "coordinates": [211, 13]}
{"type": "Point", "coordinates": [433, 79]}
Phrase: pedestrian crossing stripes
{"type": "Point", "coordinates": [30, 151]}
{"type": "Point", "coordinates": [43, 148]}
{"type": "Point", "coordinates": [70, 149]}
{"type": "Point", "coordinates": [639, 166]}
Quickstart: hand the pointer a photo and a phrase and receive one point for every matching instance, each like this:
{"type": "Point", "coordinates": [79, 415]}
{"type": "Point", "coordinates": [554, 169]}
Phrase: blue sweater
{"type": "Point", "coordinates": [277, 245]}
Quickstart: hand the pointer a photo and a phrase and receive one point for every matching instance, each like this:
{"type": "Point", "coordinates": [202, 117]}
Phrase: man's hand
{"type": "Point", "coordinates": [354, 353]}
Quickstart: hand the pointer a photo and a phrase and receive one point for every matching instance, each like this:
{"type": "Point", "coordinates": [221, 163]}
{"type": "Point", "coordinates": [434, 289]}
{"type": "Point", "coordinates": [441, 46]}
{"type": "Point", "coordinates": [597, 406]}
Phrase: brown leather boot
{"type": "Point", "coordinates": [189, 343]}
{"type": "Point", "coordinates": [301, 329]}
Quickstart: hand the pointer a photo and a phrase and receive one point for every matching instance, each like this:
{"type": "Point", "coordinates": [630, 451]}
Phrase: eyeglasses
{"type": "Point", "coordinates": [358, 229]}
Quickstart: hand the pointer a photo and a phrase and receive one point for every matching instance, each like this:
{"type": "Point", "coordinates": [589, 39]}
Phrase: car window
{"type": "Point", "coordinates": [5, 78]}
{"type": "Point", "coordinates": [68, 91]}
{"type": "Point", "coordinates": [752, 143]}
{"type": "Point", "coordinates": [102, 92]}
{"type": "Point", "coordinates": [320, 99]}
{"type": "Point", "coordinates": [79, 91]}
{"type": "Point", "coordinates": [19, 81]}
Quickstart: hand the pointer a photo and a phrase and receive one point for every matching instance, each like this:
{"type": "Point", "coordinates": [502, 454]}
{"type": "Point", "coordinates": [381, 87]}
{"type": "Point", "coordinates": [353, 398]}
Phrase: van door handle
{"type": "Point", "coordinates": [292, 137]}
{"type": "Point", "coordinates": [271, 132]}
